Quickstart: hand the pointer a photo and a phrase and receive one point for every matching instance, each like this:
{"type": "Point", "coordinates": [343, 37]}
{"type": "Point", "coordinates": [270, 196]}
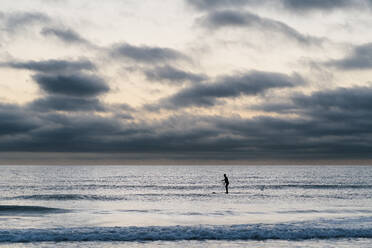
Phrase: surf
{"type": "Point", "coordinates": [182, 233]}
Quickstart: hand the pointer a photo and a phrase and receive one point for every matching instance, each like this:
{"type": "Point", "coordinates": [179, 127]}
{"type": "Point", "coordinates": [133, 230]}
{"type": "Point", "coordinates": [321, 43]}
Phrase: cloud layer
{"type": "Point", "coordinates": [13, 21]}
{"type": "Point", "coordinates": [173, 75]}
{"type": "Point", "coordinates": [359, 58]}
{"type": "Point", "coordinates": [72, 85]}
{"type": "Point", "coordinates": [146, 54]}
{"type": "Point", "coordinates": [66, 35]}
{"type": "Point", "coordinates": [292, 5]}
{"type": "Point", "coordinates": [210, 94]}
{"type": "Point", "coordinates": [236, 18]}
{"type": "Point", "coordinates": [189, 79]}
{"type": "Point", "coordinates": [51, 66]}
{"type": "Point", "coordinates": [328, 127]}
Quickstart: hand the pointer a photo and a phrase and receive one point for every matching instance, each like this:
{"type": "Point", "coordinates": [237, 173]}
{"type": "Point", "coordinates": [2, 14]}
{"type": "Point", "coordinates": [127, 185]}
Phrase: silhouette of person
{"type": "Point", "coordinates": [226, 180]}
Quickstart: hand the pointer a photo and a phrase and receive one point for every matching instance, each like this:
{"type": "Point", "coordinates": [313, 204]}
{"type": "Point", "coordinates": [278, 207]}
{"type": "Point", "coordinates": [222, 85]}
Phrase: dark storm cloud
{"type": "Point", "coordinates": [270, 137]}
{"type": "Point", "coordinates": [345, 99]}
{"type": "Point", "coordinates": [13, 120]}
{"type": "Point", "coordinates": [348, 108]}
{"type": "Point", "coordinates": [146, 54]}
{"type": "Point", "coordinates": [172, 75]}
{"type": "Point", "coordinates": [15, 20]}
{"type": "Point", "coordinates": [245, 19]}
{"type": "Point", "coordinates": [332, 123]}
{"type": "Point", "coordinates": [64, 34]}
{"type": "Point", "coordinates": [66, 87]}
{"type": "Point", "coordinates": [209, 94]}
{"type": "Point", "coordinates": [75, 133]}
{"type": "Point", "coordinates": [78, 84]}
{"type": "Point", "coordinates": [234, 137]}
{"type": "Point", "coordinates": [67, 103]}
{"type": "Point", "coordinates": [329, 124]}
{"type": "Point", "coordinates": [279, 108]}
{"type": "Point", "coordinates": [51, 66]}
{"type": "Point", "coordinates": [359, 58]}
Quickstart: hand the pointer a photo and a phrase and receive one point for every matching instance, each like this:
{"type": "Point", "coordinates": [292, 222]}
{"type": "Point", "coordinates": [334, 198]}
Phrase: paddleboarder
{"type": "Point", "coordinates": [226, 180]}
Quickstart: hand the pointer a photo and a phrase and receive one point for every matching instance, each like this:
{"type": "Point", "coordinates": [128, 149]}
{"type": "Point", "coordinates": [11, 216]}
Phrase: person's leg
{"type": "Point", "coordinates": [227, 188]}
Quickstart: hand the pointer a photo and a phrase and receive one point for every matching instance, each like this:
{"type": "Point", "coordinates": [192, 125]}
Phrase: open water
{"type": "Point", "coordinates": [185, 206]}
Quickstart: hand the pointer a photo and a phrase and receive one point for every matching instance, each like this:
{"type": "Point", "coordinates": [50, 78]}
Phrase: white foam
{"type": "Point", "coordinates": [178, 233]}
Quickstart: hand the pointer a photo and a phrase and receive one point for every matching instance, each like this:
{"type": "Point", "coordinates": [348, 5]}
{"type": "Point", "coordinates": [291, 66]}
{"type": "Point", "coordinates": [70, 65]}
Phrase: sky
{"type": "Point", "coordinates": [185, 81]}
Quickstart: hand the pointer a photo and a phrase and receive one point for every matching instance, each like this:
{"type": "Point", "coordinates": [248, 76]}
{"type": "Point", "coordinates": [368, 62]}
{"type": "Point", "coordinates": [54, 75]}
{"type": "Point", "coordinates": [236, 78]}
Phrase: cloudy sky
{"type": "Point", "coordinates": [185, 81]}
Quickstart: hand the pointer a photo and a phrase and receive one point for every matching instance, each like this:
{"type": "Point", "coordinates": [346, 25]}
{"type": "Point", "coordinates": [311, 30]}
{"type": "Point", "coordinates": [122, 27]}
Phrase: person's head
{"type": "Point", "coordinates": [224, 175]}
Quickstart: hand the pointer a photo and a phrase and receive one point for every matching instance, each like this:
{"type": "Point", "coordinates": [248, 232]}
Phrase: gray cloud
{"type": "Point", "coordinates": [209, 94]}
{"type": "Point", "coordinates": [329, 124]}
{"type": "Point", "coordinates": [201, 137]}
{"type": "Point", "coordinates": [14, 121]}
{"type": "Point", "coordinates": [66, 103]}
{"type": "Point", "coordinates": [350, 99]}
{"type": "Point", "coordinates": [15, 20]}
{"type": "Point", "coordinates": [66, 87]}
{"type": "Point", "coordinates": [359, 58]}
{"type": "Point", "coordinates": [237, 18]}
{"type": "Point", "coordinates": [80, 132]}
{"type": "Point", "coordinates": [146, 54]}
{"type": "Point", "coordinates": [215, 4]}
{"type": "Point", "coordinates": [66, 35]}
{"type": "Point", "coordinates": [292, 5]}
{"type": "Point", "coordinates": [345, 99]}
{"type": "Point", "coordinates": [173, 75]}
{"type": "Point", "coordinates": [322, 4]}
{"type": "Point", "coordinates": [342, 111]}
{"type": "Point", "coordinates": [78, 84]}
{"type": "Point", "coordinates": [60, 132]}
{"type": "Point", "coordinates": [51, 66]}
{"type": "Point", "coordinates": [125, 107]}
{"type": "Point", "coordinates": [279, 107]}
{"type": "Point", "coordinates": [91, 133]}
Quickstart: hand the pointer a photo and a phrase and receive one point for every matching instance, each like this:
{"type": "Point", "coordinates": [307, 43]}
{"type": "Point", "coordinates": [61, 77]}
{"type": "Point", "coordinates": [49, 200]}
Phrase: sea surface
{"type": "Point", "coordinates": [185, 206]}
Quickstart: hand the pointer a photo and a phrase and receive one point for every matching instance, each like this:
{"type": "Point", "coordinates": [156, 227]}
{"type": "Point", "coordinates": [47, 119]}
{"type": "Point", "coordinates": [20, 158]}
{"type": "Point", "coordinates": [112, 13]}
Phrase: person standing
{"type": "Point", "coordinates": [226, 180]}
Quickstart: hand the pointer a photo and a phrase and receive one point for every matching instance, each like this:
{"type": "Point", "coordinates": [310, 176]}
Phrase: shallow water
{"type": "Point", "coordinates": [177, 206]}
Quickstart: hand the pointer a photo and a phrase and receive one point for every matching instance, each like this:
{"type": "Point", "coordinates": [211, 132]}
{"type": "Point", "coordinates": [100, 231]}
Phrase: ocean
{"type": "Point", "coordinates": [185, 206]}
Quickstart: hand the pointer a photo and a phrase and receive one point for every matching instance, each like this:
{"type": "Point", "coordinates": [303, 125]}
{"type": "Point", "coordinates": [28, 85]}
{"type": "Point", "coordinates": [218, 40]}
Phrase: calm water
{"type": "Point", "coordinates": [178, 206]}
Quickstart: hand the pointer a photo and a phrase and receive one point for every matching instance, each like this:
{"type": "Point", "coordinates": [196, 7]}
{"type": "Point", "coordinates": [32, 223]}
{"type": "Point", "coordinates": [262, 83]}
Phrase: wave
{"type": "Point", "coordinates": [178, 233]}
{"type": "Point", "coordinates": [69, 197]}
{"type": "Point", "coordinates": [310, 186]}
{"type": "Point", "coordinates": [329, 211]}
{"type": "Point", "coordinates": [90, 197]}
{"type": "Point", "coordinates": [188, 187]}
{"type": "Point", "coordinates": [17, 209]}
{"type": "Point", "coordinates": [171, 195]}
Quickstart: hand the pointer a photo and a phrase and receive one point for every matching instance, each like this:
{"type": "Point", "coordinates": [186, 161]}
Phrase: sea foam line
{"type": "Point", "coordinates": [178, 233]}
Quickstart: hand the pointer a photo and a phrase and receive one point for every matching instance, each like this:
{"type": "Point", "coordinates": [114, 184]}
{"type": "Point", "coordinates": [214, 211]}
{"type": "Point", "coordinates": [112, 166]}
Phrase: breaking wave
{"type": "Point", "coordinates": [16, 209]}
{"type": "Point", "coordinates": [178, 233]}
